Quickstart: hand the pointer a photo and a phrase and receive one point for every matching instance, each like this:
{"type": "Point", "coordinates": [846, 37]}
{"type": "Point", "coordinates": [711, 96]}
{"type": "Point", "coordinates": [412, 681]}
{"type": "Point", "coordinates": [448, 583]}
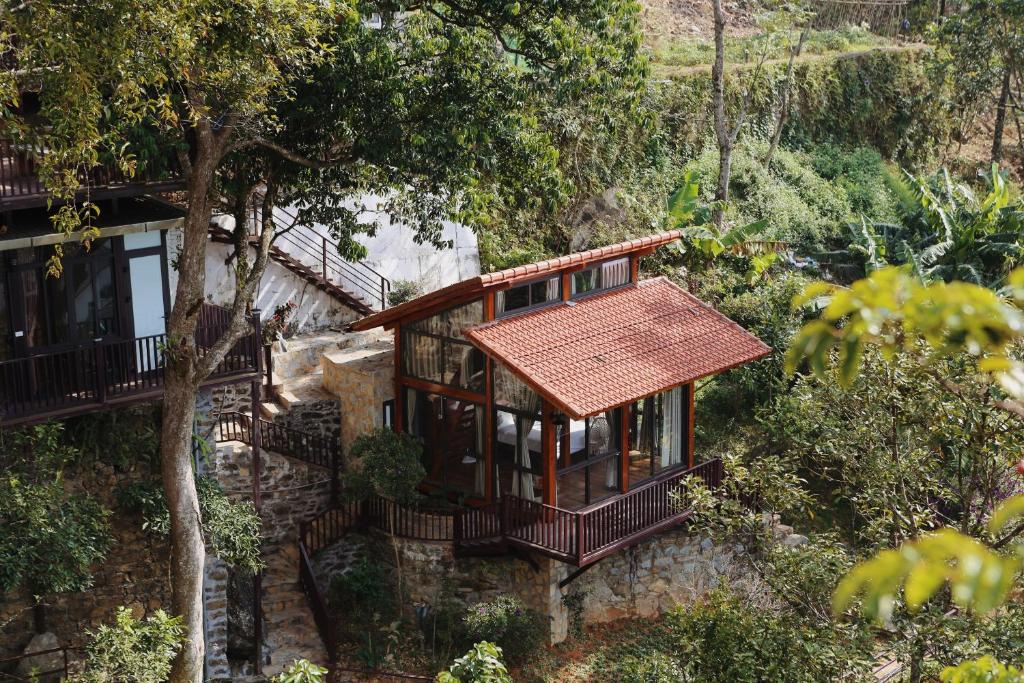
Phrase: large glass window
{"type": "Point", "coordinates": [589, 459]}
{"type": "Point", "coordinates": [659, 434]}
{"type": "Point", "coordinates": [528, 295]}
{"type": "Point", "coordinates": [434, 350]}
{"type": "Point", "coordinates": [452, 433]}
{"type": "Point", "coordinates": [605, 275]}
{"type": "Point", "coordinates": [518, 446]}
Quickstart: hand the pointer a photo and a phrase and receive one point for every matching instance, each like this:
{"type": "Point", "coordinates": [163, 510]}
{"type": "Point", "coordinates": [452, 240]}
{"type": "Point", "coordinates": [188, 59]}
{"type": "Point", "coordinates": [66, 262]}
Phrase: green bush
{"type": "Point", "coordinates": [385, 463]}
{"type": "Point", "coordinates": [301, 671]}
{"type": "Point", "coordinates": [361, 592]}
{"type": "Point", "coordinates": [726, 639]}
{"type": "Point", "coordinates": [232, 530]}
{"type": "Point", "coordinates": [654, 667]}
{"type": "Point", "coordinates": [482, 664]}
{"type": "Point", "coordinates": [402, 291]}
{"type": "Point", "coordinates": [505, 621]}
{"type": "Point", "coordinates": [132, 651]}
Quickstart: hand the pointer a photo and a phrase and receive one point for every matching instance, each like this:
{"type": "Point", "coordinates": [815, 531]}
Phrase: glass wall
{"type": "Point", "coordinates": [605, 275]}
{"type": "Point", "coordinates": [528, 296]}
{"type": "Point", "coordinates": [452, 433]}
{"type": "Point", "coordinates": [434, 350]}
{"type": "Point", "coordinates": [659, 434]}
{"type": "Point", "coordinates": [518, 447]}
{"type": "Point", "coordinates": [589, 459]}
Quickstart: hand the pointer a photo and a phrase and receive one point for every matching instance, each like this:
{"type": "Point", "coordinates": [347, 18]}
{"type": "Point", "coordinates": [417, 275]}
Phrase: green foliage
{"type": "Point", "coordinates": [362, 592]}
{"type": "Point", "coordinates": [861, 173]}
{"type": "Point", "coordinates": [402, 291]}
{"type": "Point", "coordinates": [385, 463]}
{"type": "Point", "coordinates": [49, 537]}
{"type": "Point", "coordinates": [727, 638]}
{"type": "Point", "coordinates": [654, 667]}
{"type": "Point", "coordinates": [232, 530]}
{"type": "Point", "coordinates": [893, 310]}
{"type": "Point", "coordinates": [506, 622]}
{"type": "Point", "coordinates": [983, 670]}
{"type": "Point", "coordinates": [482, 664]}
{"type": "Point", "coordinates": [301, 671]}
{"type": "Point", "coordinates": [123, 438]}
{"type": "Point", "coordinates": [132, 651]}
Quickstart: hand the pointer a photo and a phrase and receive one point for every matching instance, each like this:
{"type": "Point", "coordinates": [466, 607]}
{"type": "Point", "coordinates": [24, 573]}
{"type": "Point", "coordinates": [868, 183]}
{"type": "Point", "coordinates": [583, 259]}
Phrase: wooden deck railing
{"type": "Point", "coordinates": [91, 375]}
{"type": "Point", "coordinates": [315, 449]}
{"type": "Point", "coordinates": [21, 187]}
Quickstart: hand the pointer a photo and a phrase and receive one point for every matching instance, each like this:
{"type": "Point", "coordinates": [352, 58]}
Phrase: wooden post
{"type": "Point", "coordinates": [398, 422]}
{"type": "Point", "coordinates": [488, 410]}
{"type": "Point", "coordinates": [547, 435]}
{"type": "Point", "coordinates": [689, 425]}
{"type": "Point", "coordinates": [624, 448]}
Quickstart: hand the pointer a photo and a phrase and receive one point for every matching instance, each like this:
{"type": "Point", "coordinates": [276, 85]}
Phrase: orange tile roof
{"type": "Point", "coordinates": [474, 286]}
{"type": "Point", "coordinates": [614, 348]}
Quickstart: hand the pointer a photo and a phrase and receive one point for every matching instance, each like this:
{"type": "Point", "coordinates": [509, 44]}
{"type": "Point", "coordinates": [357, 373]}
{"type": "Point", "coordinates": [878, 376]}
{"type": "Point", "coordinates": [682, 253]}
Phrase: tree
{"type": "Point", "coordinates": [895, 313]}
{"type": "Point", "coordinates": [300, 100]}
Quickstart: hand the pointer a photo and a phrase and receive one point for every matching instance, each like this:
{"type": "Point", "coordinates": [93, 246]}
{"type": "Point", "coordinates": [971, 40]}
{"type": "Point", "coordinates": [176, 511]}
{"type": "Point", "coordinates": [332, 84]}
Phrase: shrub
{"type": "Point", "coordinates": [232, 530]}
{"type": "Point", "coordinates": [727, 639]}
{"type": "Point", "coordinates": [133, 651]}
{"type": "Point", "coordinates": [301, 671]}
{"type": "Point", "coordinates": [361, 592]}
{"type": "Point", "coordinates": [505, 621]}
{"type": "Point", "coordinates": [655, 667]}
{"type": "Point", "coordinates": [402, 291]}
{"type": "Point", "coordinates": [482, 664]}
{"type": "Point", "coordinates": [385, 463]}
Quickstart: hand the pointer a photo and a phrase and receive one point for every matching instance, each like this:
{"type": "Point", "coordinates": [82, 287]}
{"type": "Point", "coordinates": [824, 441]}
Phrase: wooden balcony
{"type": "Point", "coordinates": [90, 377]}
{"type": "Point", "coordinates": [21, 188]}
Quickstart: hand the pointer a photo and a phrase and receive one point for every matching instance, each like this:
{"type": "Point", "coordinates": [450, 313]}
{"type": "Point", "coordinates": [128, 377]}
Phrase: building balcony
{"type": "Point", "coordinates": [84, 378]}
{"type": "Point", "coordinates": [20, 186]}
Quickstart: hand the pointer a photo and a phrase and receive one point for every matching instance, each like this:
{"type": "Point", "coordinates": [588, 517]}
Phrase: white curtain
{"type": "Point", "coordinates": [478, 483]}
{"type": "Point", "coordinates": [499, 302]}
{"type": "Point", "coordinates": [522, 480]}
{"type": "Point", "coordinates": [611, 474]}
{"type": "Point", "coordinates": [553, 293]}
{"type": "Point", "coordinates": [672, 431]}
{"type": "Point", "coordinates": [615, 273]}
{"type": "Point", "coordinates": [411, 404]}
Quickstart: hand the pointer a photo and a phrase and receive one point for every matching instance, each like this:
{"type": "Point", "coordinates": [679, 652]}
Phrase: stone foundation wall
{"type": "Point", "coordinates": [644, 581]}
{"type": "Point", "coordinates": [362, 379]}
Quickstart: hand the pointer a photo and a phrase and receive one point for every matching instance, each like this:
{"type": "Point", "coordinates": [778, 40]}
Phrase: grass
{"type": "Point", "coordinates": [748, 49]}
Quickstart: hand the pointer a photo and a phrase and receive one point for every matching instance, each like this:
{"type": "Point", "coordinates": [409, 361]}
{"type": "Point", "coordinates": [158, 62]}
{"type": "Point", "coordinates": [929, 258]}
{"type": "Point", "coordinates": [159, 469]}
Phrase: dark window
{"type": "Point", "coordinates": [528, 295]}
{"type": "Point", "coordinates": [388, 414]}
{"type": "Point", "coordinates": [614, 273]}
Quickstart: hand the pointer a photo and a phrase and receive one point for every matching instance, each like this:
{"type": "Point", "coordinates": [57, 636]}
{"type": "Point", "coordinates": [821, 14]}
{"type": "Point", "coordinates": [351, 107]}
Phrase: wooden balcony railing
{"type": "Point", "coordinates": [89, 376]}
{"type": "Point", "coordinates": [20, 186]}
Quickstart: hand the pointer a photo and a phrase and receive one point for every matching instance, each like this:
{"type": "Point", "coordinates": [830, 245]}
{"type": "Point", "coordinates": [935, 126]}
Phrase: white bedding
{"type": "Point", "coordinates": [507, 434]}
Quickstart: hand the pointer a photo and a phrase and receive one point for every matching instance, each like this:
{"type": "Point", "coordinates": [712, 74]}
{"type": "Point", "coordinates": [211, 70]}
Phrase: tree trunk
{"type": "Point", "coordinates": [787, 88]}
{"type": "Point", "coordinates": [1000, 125]}
{"type": "Point", "coordinates": [721, 125]}
{"type": "Point", "coordinates": [181, 387]}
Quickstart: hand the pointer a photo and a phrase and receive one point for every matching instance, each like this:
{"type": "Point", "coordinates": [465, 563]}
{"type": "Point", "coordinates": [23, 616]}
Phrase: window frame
{"type": "Point", "coordinates": [532, 306]}
{"type": "Point", "coordinates": [595, 268]}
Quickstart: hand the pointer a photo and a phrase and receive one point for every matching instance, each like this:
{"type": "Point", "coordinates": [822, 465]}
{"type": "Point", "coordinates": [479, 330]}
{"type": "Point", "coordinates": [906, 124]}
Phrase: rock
{"type": "Point", "coordinates": [241, 611]}
{"type": "Point", "coordinates": [50, 662]}
{"type": "Point", "coordinates": [794, 540]}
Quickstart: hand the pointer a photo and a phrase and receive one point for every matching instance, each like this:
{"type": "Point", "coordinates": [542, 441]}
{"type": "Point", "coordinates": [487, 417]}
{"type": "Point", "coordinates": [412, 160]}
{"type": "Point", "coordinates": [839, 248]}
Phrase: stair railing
{"type": "Point", "coordinates": [319, 253]}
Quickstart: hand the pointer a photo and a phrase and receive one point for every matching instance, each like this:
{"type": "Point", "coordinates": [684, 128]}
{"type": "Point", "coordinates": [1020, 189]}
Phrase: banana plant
{"type": "Point", "coordinates": [703, 242]}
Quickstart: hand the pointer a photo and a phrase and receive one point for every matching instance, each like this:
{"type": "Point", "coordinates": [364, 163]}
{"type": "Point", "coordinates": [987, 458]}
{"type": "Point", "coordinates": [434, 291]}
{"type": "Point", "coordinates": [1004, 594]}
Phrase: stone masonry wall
{"type": "Point", "coordinates": [649, 579]}
{"type": "Point", "coordinates": [362, 379]}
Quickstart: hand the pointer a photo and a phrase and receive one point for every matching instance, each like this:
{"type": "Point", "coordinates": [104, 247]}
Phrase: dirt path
{"type": "Point", "coordinates": [676, 71]}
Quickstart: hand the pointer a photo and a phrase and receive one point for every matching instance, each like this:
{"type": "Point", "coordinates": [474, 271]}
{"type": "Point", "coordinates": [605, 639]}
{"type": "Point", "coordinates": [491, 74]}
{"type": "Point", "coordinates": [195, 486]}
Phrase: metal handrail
{"type": "Point", "coordinates": [370, 283]}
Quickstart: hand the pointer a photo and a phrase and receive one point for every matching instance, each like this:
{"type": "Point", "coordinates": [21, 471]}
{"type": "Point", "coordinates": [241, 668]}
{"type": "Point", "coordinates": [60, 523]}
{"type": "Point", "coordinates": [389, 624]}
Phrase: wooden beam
{"type": "Point", "coordinates": [547, 435]}
{"type": "Point", "coordinates": [443, 389]}
{"type": "Point", "coordinates": [689, 425]}
{"type": "Point", "coordinates": [398, 423]}
{"type": "Point", "coordinates": [624, 448]}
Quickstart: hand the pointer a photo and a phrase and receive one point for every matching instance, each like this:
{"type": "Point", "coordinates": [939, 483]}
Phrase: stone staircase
{"type": "Point", "coordinates": [290, 631]}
